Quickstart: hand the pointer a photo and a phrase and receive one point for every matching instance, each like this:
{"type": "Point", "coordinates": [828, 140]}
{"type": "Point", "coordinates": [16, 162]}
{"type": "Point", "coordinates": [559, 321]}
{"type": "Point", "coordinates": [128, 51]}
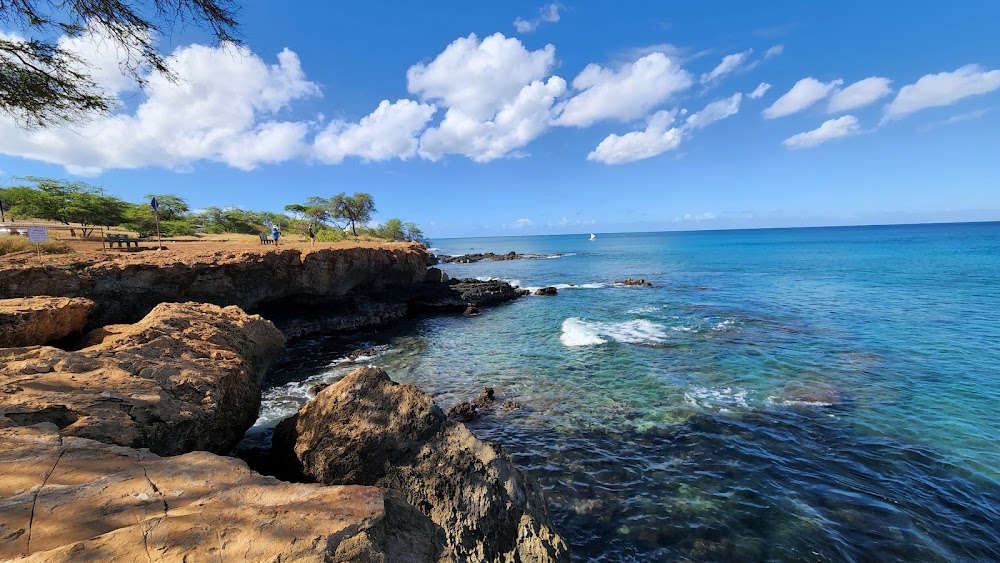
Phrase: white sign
{"type": "Point", "coordinates": [38, 234]}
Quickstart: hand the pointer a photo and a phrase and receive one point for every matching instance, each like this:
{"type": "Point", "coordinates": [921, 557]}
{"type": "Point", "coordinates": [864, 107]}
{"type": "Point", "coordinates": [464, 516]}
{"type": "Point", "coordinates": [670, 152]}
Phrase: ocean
{"type": "Point", "coordinates": [822, 394]}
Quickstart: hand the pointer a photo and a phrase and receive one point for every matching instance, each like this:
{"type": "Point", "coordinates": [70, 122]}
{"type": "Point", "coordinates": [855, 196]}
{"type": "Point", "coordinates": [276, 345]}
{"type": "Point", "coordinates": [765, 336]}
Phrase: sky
{"type": "Point", "coordinates": [522, 118]}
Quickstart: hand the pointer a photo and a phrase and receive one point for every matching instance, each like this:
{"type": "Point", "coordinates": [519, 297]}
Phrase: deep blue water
{"type": "Point", "coordinates": [791, 394]}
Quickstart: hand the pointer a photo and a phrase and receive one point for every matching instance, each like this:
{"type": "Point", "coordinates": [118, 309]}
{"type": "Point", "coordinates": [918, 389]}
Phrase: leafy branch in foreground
{"type": "Point", "coordinates": [43, 84]}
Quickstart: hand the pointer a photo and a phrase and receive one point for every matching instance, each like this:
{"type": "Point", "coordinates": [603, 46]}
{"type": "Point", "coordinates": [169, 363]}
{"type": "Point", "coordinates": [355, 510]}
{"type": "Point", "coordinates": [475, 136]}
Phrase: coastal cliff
{"type": "Point", "coordinates": [126, 287]}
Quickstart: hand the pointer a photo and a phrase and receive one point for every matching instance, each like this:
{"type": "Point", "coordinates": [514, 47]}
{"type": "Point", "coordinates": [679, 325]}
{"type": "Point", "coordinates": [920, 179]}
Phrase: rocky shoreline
{"type": "Point", "coordinates": [164, 356]}
{"type": "Point", "coordinates": [477, 257]}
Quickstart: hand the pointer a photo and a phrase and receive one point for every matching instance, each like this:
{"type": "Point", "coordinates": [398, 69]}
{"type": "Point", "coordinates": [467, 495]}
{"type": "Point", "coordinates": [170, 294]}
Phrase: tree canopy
{"type": "Point", "coordinates": [64, 201]}
{"type": "Point", "coordinates": [357, 208]}
{"type": "Point", "coordinates": [42, 83]}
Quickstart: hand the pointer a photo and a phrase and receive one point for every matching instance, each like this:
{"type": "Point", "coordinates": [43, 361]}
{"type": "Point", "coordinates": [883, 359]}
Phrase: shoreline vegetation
{"type": "Point", "coordinates": [114, 360]}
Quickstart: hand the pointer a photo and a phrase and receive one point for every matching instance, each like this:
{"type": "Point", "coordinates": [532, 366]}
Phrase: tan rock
{"type": "Point", "coordinates": [184, 378]}
{"type": "Point", "coordinates": [73, 499]}
{"type": "Point", "coordinates": [32, 321]}
{"type": "Point", "coordinates": [367, 429]}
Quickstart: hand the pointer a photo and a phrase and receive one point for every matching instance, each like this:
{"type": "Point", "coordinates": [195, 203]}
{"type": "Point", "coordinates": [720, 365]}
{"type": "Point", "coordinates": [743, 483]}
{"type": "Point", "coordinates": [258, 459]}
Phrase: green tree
{"type": "Point", "coordinates": [171, 207]}
{"type": "Point", "coordinates": [66, 202]}
{"type": "Point", "coordinates": [41, 83]}
{"type": "Point", "coordinates": [357, 208]}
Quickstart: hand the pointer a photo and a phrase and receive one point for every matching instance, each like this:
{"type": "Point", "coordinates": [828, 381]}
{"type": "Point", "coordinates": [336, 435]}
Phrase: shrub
{"type": "Point", "coordinates": [10, 244]}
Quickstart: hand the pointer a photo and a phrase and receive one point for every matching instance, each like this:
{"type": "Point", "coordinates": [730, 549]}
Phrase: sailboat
{"type": "Point", "coordinates": [592, 236]}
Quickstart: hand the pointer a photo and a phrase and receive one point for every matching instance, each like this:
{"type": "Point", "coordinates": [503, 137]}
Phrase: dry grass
{"type": "Point", "coordinates": [10, 244]}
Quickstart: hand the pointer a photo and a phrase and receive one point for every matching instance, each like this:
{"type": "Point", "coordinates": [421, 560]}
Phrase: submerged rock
{"type": "Point", "coordinates": [485, 398]}
{"type": "Point", "coordinates": [367, 429]}
{"type": "Point", "coordinates": [73, 499]}
{"type": "Point", "coordinates": [630, 281]}
{"type": "Point", "coordinates": [33, 321]}
{"type": "Point", "coordinates": [184, 378]}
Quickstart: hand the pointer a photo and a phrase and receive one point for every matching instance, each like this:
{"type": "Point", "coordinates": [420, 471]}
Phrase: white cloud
{"type": "Point", "coordinates": [860, 94]}
{"type": "Point", "coordinates": [942, 89]}
{"type": "Point", "coordinates": [479, 77]}
{"type": "Point", "coordinates": [516, 124]}
{"type": "Point", "coordinates": [522, 223]}
{"type": "Point", "coordinates": [627, 92]}
{"type": "Point", "coordinates": [774, 51]}
{"type": "Point", "coordinates": [496, 94]}
{"type": "Point", "coordinates": [832, 129]}
{"type": "Point", "coordinates": [968, 116]}
{"type": "Point", "coordinates": [548, 13]}
{"type": "Point", "coordinates": [729, 64]}
{"type": "Point", "coordinates": [638, 145]}
{"type": "Point", "coordinates": [759, 91]}
{"type": "Point", "coordinates": [715, 111]}
{"type": "Point", "coordinates": [221, 109]}
{"type": "Point", "coordinates": [388, 132]}
{"type": "Point", "coordinates": [805, 93]}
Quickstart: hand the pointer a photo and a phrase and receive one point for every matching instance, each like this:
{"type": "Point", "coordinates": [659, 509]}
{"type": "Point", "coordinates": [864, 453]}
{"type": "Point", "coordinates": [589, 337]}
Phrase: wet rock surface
{"type": "Point", "coordinates": [546, 291]}
{"type": "Point", "coordinates": [74, 499]}
{"type": "Point", "coordinates": [639, 282]}
{"type": "Point", "coordinates": [184, 378]}
{"type": "Point", "coordinates": [367, 429]}
{"type": "Point", "coordinates": [40, 320]}
{"type": "Point", "coordinates": [457, 295]}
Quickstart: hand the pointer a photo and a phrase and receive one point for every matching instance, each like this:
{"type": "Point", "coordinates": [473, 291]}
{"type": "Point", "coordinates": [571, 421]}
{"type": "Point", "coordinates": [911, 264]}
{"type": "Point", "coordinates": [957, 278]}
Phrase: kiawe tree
{"type": "Point", "coordinates": [66, 202]}
{"type": "Point", "coordinates": [42, 83]}
{"type": "Point", "coordinates": [357, 208]}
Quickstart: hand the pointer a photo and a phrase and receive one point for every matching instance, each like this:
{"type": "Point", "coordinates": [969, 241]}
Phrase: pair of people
{"type": "Point", "coordinates": [276, 234]}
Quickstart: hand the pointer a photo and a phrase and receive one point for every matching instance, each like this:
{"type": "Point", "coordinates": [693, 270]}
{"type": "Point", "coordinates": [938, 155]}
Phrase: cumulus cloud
{"type": "Point", "coordinates": [774, 51]}
{"type": "Point", "coordinates": [546, 14]}
{"type": "Point", "coordinates": [624, 93]}
{"type": "Point", "coordinates": [496, 94]}
{"type": "Point", "coordinates": [759, 91]}
{"type": "Point", "coordinates": [805, 93]}
{"type": "Point", "coordinates": [659, 137]}
{"type": "Point", "coordinates": [942, 89]}
{"type": "Point", "coordinates": [221, 109]}
{"type": "Point", "coordinates": [638, 145]}
{"type": "Point", "coordinates": [715, 111]}
{"type": "Point", "coordinates": [522, 223]}
{"type": "Point", "coordinates": [730, 63]}
{"type": "Point", "coordinates": [860, 94]}
{"type": "Point", "coordinates": [832, 129]}
{"type": "Point", "coordinates": [388, 132]}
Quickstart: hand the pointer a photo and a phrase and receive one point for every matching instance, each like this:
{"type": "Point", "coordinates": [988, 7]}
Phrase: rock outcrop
{"type": "Point", "coordinates": [366, 429]}
{"type": "Point", "coordinates": [40, 320]}
{"type": "Point", "coordinates": [126, 287]}
{"type": "Point", "coordinates": [470, 258]}
{"type": "Point", "coordinates": [546, 291]}
{"type": "Point", "coordinates": [184, 378]}
{"type": "Point", "coordinates": [630, 281]}
{"type": "Point", "coordinates": [73, 499]}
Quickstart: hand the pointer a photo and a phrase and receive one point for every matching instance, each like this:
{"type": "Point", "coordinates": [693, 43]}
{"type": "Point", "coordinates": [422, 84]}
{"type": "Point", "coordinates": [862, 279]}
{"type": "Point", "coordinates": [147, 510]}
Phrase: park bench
{"type": "Point", "coordinates": [122, 240]}
{"type": "Point", "coordinates": [264, 239]}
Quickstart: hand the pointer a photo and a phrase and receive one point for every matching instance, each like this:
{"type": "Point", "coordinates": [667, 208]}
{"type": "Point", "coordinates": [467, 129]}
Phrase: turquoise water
{"type": "Point", "coordinates": [794, 394]}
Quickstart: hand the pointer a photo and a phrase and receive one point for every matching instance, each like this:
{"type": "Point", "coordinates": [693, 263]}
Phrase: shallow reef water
{"type": "Point", "coordinates": [797, 394]}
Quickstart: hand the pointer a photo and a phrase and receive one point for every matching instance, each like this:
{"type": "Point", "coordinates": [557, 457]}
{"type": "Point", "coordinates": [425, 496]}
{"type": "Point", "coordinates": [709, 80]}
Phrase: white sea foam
{"type": "Point", "coordinates": [718, 398]}
{"type": "Point", "coordinates": [433, 249]}
{"type": "Point", "coordinates": [725, 325]}
{"type": "Point", "coordinates": [772, 400]}
{"type": "Point", "coordinates": [578, 332]}
{"type": "Point", "coordinates": [643, 310]}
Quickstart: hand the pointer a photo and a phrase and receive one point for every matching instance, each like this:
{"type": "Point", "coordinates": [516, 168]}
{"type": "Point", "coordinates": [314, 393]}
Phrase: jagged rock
{"type": "Point", "coordinates": [471, 311]}
{"type": "Point", "coordinates": [511, 405]}
{"type": "Point", "coordinates": [126, 286]}
{"type": "Point", "coordinates": [476, 257]}
{"type": "Point", "coordinates": [315, 389]}
{"type": "Point", "coordinates": [32, 321]}
{"type": "Point", "coordinates": [458, 294]}
{"type": "Point", "coordinates": [630, 281]}
{"type": "Point", "coordinates": [362, 353]}
{"type": "Point", "coordinates": [463, 412]}
{"type": "Point", "coordinates": [73, 499]}
{"type": "Point", "coordinates": [184, 378]}
{"type": "Point", "coordinates": [522, 291]}
{"type": "Point", "coordinates": [546, 291]}
{"type": "Point", "coordinates": [366, 429]}
{"type": "Point", "coordinates": [485, 398]}
{"type": "Point", "coordinates": [436, 275]}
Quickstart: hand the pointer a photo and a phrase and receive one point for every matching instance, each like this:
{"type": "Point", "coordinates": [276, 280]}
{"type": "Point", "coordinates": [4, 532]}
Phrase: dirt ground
{"type": "Point", "coordinates": [187, 249]}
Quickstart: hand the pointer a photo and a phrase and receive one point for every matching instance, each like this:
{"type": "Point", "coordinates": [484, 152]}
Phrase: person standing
{"type": "Point", "coordinates": [312, 238]}
{"type": "Point", "coordinates": [275, 234]}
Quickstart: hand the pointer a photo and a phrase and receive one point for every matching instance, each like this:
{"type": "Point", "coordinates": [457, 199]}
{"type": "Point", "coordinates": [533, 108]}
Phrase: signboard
{"type": "Point", "coordinates": [154, 204]}
{"type": "Point", "coordinates": [38, 234]}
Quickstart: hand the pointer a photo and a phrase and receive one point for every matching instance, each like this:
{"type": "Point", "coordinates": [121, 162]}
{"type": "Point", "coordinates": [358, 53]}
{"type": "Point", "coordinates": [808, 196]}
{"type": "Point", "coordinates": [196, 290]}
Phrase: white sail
{"type": "Point", "coordinates": [592, 236]}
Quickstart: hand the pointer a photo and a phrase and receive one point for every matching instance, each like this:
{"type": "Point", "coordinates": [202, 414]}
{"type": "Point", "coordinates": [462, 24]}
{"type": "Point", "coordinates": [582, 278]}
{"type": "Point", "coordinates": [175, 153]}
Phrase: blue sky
{"type": "Point", "coordinates": [530, 118]}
